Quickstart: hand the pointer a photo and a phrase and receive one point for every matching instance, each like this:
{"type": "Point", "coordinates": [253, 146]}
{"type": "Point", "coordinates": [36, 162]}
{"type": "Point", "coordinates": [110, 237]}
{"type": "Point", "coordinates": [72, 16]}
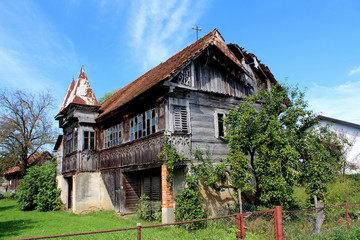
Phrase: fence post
{"type": "Point", "coordinates": [278, 223]}
{"type": "Point", "coordinates": [138, 231]}
{"type": "Point", "coordinates": [240, 226]}
{"type": "Point", "coordinates": [347, 215]}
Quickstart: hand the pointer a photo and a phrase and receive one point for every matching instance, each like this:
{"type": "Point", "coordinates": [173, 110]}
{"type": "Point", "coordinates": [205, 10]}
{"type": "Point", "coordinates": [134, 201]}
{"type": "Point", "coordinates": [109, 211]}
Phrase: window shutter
{"type": "Point", "coordinates": [180, 119]}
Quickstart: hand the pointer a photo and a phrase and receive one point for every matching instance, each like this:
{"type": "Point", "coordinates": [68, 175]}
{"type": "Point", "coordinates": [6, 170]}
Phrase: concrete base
{"type": "Point", "coordinates": [89, 193]}
{"type": "Point", "coordinates": [168, 215]}
{"type": "Point", "coordinates": [62, 184]}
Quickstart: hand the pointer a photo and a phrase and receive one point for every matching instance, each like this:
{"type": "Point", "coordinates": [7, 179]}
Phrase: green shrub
{"type": "Point", "coordinates": [189, 204]}
{"type": "Point", "coordinates": [146, 212]}
{"type": "Point", "coordinates": [38, 189]}
{"type": "Point", "coordinates": [343, 189]}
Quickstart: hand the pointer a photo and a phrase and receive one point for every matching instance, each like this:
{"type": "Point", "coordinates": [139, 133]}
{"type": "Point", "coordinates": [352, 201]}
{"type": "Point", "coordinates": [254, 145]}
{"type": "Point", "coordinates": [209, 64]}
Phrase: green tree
{"type": "Point", "coordinates": [38, 189]}
{"type": "Point", "coordinates": [106, 96]}
{"type": "Point", "coordinates": [26, 127]}
{"type": "Point", "coordinates": [274, 143]}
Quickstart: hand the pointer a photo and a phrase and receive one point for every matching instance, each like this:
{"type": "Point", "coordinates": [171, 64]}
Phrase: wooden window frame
{"type": "Point", "coordinates": [69, 146]}
{"type": "Point", "coordinates": [113, 136]}
{"type": "Point", "coordinates": [143, 124]}
{"type": "Point", "coordinates": [180, 119]}
{"type": "Point", "coordinates": [89, 141]}
{"type": "Point", "coordinates": [220, 128]}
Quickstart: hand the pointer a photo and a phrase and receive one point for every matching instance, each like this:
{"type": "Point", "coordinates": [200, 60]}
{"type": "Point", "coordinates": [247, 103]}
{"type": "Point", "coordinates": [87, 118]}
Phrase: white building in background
{"type": "Point", "coordinates": [352, 133]}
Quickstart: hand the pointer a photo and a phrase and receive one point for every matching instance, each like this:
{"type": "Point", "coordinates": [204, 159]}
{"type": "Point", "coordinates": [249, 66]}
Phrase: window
{"type": "Point", "coordinates": [180, 119]}
{"type": "Point", "coordinates": [113, 136]}
{"type": "Point", "coordinates": [220, 128]}
{"type": "Point", "coordinates": [152, 188]}
{"type": "Point", "coordinates": [143, 124]}
{"type": "Point", "coordinates": [69, 143]}
{"type": "Point", "coordinates": [89, 140]}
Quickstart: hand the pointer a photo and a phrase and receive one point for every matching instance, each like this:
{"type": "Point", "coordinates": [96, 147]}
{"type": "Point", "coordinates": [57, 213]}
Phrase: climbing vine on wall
{"type": "Point", "coordinates": [201, 169]}
{"type": "Point", "coordinates": [172, 159]}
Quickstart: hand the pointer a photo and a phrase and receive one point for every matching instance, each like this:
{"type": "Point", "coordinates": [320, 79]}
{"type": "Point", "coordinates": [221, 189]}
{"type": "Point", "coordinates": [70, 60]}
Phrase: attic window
{"type": "Point", "coordinates": [180, 119]}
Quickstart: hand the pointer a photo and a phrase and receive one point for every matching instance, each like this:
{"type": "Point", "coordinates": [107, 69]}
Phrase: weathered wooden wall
{"type": "Point", "coordinates": [131, 183]}
{"type": "Point", "coordinates": [113, 182]}
{"type": "Point", "coordinates": [203, 109]}
{"type": "Point", "coordinates": [210, 77]}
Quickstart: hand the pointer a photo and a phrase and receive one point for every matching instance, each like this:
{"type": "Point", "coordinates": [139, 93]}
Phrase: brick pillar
{"type": "Point", "coordinates": [166, 198]}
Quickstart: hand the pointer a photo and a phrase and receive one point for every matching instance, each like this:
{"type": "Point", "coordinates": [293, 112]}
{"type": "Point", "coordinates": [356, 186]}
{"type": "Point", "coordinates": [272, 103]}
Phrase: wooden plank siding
{"type": "Point", "coordinates": [113, 182]}
{"type": "Point", "coordinates": [209, 77]}
{"type": "Point", "coordinates": [203, 109]}
{"type": "Point", "coordinates": [132, 192]}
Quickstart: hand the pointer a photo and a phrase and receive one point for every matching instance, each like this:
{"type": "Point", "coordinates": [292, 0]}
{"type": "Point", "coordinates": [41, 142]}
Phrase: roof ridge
{"type": "Point", "coordinates": [113, 98]}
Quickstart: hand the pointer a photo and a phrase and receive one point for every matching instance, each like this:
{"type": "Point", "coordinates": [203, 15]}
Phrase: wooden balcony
{"type": "Point", "coordinates": [69, 163]}
{"type": "Point", "coordinates": [139, 154]}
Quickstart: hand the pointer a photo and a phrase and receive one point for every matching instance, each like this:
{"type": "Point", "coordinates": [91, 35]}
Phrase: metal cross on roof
{"type": "Point", "coordinates": [197, 31]}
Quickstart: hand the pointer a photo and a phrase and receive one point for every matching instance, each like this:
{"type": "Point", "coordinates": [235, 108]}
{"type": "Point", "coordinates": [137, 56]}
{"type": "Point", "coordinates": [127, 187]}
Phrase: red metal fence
{"type": "Point", "coordinates": [268, 224]}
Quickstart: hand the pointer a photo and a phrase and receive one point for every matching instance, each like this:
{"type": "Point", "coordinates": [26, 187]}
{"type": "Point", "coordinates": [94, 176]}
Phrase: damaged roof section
{"type": "Point", "coordinates": [164, 70]}
{"type": "Point", "coordinates": [253, 61]}
{"type": "Point", "coordinates": [79, 92]}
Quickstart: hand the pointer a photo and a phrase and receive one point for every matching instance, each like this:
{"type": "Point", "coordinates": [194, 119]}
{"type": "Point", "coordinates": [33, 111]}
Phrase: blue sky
{"type": "Point", "coordinates": [314, 44]}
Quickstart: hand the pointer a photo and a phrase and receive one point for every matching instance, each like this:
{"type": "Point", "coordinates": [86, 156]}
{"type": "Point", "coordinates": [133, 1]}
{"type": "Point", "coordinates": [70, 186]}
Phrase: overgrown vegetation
{"type": "Point", "coordinates": [274, 144]}
{"type": "Point", "coordinates": [38, 189]}
{"type": "Point", "coordinates": [172, 159]}
{"type": "Point", "coordinates": [201, 170]}
{"type": "Point", "coordinates": [190, 204]}
{"type": "Point", "coordinates": [146, 211]}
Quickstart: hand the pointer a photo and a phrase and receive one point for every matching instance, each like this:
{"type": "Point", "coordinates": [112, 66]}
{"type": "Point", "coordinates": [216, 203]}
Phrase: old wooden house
{"type": "Point", "coordinates": [108, 153]}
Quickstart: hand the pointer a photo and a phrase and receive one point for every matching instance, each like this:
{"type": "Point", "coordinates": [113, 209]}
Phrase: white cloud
{"type": "Point", "coordinates": [341, 102]}
{"type": "Point", "coordinates": [158, 28]}
{"type": "Point", "coordinates": [354, 71]}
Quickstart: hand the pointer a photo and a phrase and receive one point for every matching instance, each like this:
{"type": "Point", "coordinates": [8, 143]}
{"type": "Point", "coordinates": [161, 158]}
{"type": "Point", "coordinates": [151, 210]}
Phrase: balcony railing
{"type": "Point", "coordinates": [140, 152]}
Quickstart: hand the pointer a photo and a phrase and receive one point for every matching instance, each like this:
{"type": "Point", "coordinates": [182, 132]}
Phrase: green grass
{"type": "Point", "coordinates": [15, 223]}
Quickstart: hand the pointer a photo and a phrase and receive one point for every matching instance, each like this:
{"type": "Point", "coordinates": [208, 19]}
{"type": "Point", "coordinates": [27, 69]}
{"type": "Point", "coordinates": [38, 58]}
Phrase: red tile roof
{"type": "Point", "coordinates": [164, 70]}
{"type": "Point", "coordinates": [31, 161]}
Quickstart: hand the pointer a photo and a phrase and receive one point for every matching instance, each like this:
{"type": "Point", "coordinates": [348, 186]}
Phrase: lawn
{"type": "Point", "coordinates": [15, 223]}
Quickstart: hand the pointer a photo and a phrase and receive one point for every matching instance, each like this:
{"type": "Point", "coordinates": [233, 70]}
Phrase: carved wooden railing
{"type": "Point", "coordinates": [139, 152]}
{"type": "Point", "coordinates": [69, 163]}
{"type": "Point", "coordinates": [182, 143]}
{"type": "Point", "coordinates": [89, 160]}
